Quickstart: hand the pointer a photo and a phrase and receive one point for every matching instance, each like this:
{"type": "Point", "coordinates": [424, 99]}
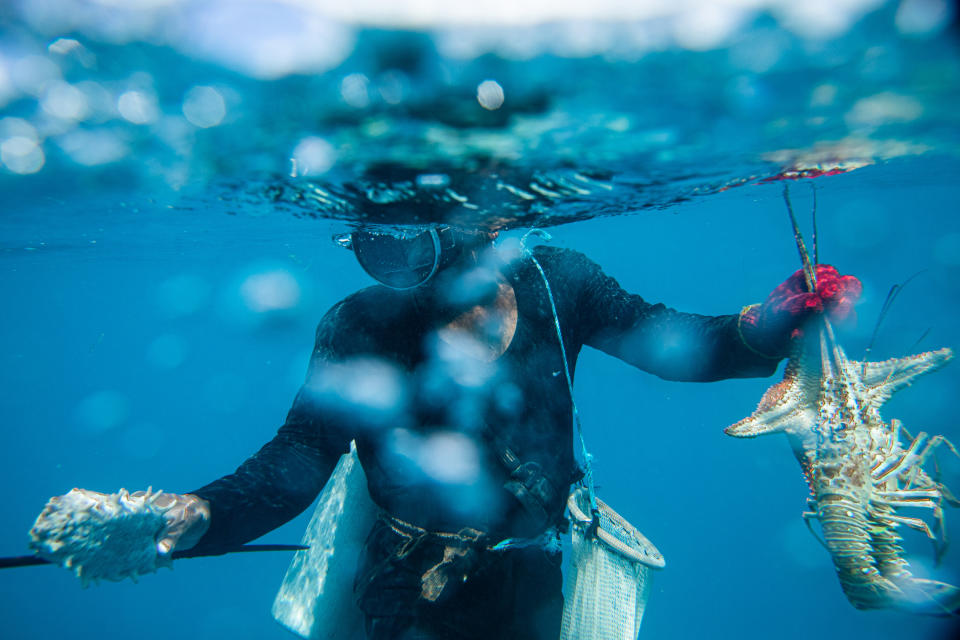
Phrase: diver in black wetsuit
{"type": "Point", "coordinates": [476, 446]}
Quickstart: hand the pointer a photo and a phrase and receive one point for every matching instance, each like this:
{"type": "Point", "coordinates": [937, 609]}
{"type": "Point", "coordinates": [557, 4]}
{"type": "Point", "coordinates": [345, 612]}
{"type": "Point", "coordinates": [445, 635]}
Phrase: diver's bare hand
{"type": "Point", "coordinates": [188, 518]}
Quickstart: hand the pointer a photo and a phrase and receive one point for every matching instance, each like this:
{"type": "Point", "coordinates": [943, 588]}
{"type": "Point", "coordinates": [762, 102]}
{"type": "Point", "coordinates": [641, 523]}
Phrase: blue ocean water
{"type": "Point", "coordinates": [169, 199]}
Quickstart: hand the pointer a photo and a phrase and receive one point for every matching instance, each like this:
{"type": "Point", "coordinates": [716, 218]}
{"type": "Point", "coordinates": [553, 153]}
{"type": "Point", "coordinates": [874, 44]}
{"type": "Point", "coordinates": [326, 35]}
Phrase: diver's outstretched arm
{"type": "Point", "coordinates": [653, 337]}
{"type": "Point", "coordinates": [281, 480]}
{"type": "Point", "coordinates": [114, 536]}
{"type": "Point", "coordinates": [686, 346]}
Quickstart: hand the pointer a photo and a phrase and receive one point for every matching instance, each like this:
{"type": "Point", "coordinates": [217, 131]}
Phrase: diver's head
{"type": "Point", "coordinates": [407, 258]}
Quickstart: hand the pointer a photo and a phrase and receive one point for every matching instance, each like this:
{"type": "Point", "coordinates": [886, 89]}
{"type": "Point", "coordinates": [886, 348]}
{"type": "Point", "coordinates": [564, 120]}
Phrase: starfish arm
{"type": "Point", "coordinates": [791, 423]}
{"type": "Point", "coordinates": [883, 379]}
{"type": "Point", "coordinates": [781, 409]}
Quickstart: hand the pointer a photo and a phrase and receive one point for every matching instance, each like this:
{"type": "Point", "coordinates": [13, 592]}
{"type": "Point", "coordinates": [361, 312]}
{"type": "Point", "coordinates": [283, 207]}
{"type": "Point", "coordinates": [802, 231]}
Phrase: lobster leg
{"type": "Point", "coordinates": [913, 523]}
{"type": "Point", "coordinates": [812, 515]}
{"type": "Point", "coordinates": [887, 553]}
{"type": "Point", "coordinates": [918, 595]}
{"type": "Point", "coordinates": [916, 476]}
{"type": "Point", "coordinates": [910, 458]}
{"type": "Point", "coordinates": [947, 495]}
{"type": "Point", "coordinates": [929, 450]}
{"type": "Point", "coordinates": [910, 495]}
{"type": "Point", "coordinates": [940, 548]}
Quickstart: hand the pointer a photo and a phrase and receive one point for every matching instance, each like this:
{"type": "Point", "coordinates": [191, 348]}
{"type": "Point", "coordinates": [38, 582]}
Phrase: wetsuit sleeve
{"type": "Point", "coordinates": [281, 480]}
{"type": "Point", "coordinates": [667, 343]}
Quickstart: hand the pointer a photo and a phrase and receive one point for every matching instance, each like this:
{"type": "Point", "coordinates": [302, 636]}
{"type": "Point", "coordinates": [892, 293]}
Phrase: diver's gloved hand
{"type": "Point", "coordinates": [114, 536]}
{"type": "Point", "coordinates": [768, 328]}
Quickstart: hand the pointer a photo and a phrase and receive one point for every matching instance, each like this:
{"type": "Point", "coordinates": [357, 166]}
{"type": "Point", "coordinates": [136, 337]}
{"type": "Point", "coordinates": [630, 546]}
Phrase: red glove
{"type": "Point", "coordinates": [768, 328]}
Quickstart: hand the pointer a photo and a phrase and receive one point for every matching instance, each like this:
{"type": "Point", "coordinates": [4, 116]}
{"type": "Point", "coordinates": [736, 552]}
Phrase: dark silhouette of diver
{"type": "Point", "coordinates": [465, 434]}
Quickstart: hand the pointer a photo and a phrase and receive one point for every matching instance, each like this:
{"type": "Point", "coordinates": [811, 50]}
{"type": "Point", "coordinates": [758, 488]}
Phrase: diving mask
{"type": "Point", "coordinates": [407, 258]}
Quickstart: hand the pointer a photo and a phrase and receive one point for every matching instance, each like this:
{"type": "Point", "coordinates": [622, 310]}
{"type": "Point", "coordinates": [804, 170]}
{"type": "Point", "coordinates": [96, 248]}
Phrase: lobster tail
{"type": "Point", "coordinates": [931, 597]}
{"type": "Point", "coordinates": [847, 534]}
{"type": "Point", "coordinates": [872, 572]}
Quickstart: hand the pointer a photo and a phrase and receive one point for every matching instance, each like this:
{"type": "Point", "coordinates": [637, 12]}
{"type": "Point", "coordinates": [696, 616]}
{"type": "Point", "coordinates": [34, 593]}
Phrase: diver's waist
{"type": "Point", "coordinates": [407, 529]}
{"type": "Point", "coordinates": [469, 537]}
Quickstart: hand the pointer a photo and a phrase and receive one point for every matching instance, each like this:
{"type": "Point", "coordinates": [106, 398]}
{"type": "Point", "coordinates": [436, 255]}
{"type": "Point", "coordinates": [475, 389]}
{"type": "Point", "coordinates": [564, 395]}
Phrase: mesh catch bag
{"type": "Point", "coordinates": [316, 598]}
{"type": "Point", "coordinates": [608, 583]}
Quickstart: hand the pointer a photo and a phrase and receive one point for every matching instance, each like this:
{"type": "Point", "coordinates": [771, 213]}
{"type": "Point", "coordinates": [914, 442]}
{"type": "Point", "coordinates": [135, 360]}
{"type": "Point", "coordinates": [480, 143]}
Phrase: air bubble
{"type": "Point", "coordinates": [490, 95]}
{"type": "Point", "coordinates": [204, 107]}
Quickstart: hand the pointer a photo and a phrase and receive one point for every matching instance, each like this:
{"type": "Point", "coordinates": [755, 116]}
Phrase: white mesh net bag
{"type": "Point", "coordinates": [315, 600]}
{"type": "Point", "coordinates": [607, 586]}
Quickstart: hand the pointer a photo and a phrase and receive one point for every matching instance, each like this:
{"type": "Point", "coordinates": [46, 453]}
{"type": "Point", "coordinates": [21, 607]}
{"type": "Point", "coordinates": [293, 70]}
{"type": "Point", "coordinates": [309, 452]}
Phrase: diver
{"type": "Point", "coordinates": [473, 444]}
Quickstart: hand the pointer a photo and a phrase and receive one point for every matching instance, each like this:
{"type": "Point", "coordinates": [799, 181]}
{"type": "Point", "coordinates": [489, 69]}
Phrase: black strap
{"type": "Point", "coordinates": [32, 561]}
{"type": "Point", "coordinates": [530, 485]}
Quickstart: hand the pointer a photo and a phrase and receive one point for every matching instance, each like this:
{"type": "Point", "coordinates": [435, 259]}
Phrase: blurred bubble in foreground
{"type": "Point", "coordinates": [22, 155]}
{"type": "Point", "coordinates": [371, 391]}
{"type": "Point", "coordinates": [313, 156]}
{"type": "Point", "coordinates": [204, 107]}
{"type": "Point", "coordinates": [923, 17]}
{"type": "Point", "coordinates": [65, 101]}
{"type": "Point", "coordinates": [354, 90]}
{"type": "Point", "coordinates": [102, 411]}
{"type": "Point", "coordinates": [450, 457]}
{"type": "Point", "coordinates": [267, 291]}
{"type": "Point", "coordinates": [138, 107]}
{"type": "Point", "coordinates": [93, 147]}
{"type": "Point", "coordinates": [490, 95]}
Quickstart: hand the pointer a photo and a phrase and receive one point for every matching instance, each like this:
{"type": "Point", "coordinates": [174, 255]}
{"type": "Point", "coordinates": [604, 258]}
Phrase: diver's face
{"type": "Point", "coordinates": [399, 260]}
{"type": "Point", "coordinates": [406, 260]}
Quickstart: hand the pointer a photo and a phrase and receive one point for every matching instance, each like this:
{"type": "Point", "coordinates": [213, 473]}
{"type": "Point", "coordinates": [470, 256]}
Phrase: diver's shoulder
{"type": "Point", "coordinates": [556, 253]}
{"type": "Point", "coordinates": [366, 309]}
{"type": "Point", "coordinates": [561, 258]}
{"type": "Point", "coordinates": [370, 298]}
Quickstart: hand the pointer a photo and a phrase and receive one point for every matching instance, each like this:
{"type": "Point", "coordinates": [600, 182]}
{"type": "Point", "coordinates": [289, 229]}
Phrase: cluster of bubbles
{"type": "Point", "coordinates": [184, 92]}
{"type": "Point", "coordinates": [91, 119]}
{"type": "Point", "coordinates": [430, 422]}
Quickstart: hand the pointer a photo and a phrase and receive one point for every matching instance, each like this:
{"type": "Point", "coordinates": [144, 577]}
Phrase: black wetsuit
{"type": "Point", "coordinates": [521, 399]}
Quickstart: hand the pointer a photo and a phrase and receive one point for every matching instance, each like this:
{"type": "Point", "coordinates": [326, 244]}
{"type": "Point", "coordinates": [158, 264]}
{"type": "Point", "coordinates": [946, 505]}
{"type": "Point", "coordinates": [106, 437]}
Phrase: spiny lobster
{"type": "Point", "coordinates": [859, 472]}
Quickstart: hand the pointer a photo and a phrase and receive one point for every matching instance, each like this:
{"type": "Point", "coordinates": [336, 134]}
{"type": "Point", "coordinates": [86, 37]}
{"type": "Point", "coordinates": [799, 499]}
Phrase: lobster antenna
{"type": "Point", "coordinates": [891, 295]}
{"type": "Point", "coordinates": [919, 340]}
{"type": "Point", "coordinates": [813, 215]}
{"type": "Point", "coordinates": [808, 273]}
{"type": "Point", "coordinates": [885, 309]}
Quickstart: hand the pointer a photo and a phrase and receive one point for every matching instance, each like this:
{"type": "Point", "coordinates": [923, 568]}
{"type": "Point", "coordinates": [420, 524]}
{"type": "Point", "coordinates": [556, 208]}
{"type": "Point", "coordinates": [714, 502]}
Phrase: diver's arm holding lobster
{"type": "Point", "coordinates": [690, 347]}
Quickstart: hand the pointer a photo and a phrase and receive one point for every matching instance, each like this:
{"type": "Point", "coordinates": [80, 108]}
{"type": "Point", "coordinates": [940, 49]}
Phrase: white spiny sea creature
{"type": "Point", "coordinates": [102, 536]}
{"type": "Point", "coordinates": [859, 471]}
